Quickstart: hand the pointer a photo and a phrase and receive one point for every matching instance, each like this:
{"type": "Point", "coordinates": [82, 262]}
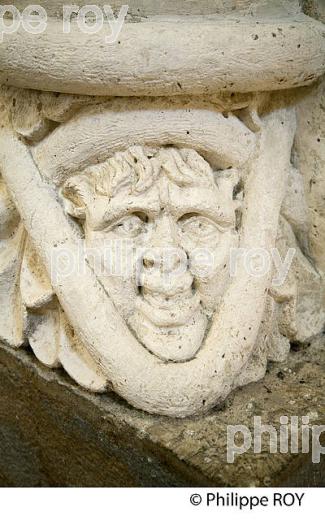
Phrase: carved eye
{"type": "Point", "coordinates": [199, 227]}
{"type": "Point", "coordinates": [131, 226]}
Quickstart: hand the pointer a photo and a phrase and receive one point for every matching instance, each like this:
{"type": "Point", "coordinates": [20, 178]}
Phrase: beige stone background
{"type": "Point", "coordinates": [147, 8]}
{"type": "Point", "coordinates": [310, 148]}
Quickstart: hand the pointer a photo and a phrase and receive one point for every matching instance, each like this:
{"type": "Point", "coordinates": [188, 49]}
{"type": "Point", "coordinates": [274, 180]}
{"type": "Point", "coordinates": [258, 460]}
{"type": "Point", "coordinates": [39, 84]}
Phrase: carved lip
{"type": "Point", "coordinates": [165, 311]}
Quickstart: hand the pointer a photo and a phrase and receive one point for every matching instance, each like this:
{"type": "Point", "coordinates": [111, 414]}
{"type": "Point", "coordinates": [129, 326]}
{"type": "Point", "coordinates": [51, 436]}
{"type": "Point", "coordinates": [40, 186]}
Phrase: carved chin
{"type": "Point", "coordinates": [172, 334]}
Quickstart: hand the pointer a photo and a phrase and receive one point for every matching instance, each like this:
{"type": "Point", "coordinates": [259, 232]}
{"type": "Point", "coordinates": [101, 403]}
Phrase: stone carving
{"type": "Point", "coordinates": [161, 205]}
{"type": "Point", "coordinates": [129, 235]}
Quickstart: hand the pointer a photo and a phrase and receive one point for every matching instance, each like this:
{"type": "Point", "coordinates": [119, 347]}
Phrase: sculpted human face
{"type": "Point", "coordinates": [169, 244]}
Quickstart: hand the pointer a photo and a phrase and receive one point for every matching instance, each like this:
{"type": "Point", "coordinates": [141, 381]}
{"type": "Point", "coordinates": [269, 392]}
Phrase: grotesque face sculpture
{"type": "Point", "coordinates": [159, 226]}
{"type": "Point", "coordinates": [162, 309]}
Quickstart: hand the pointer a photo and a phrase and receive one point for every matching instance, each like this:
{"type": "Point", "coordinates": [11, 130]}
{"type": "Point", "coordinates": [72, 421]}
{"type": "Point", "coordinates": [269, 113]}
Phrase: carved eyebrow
{"type": "Point", "coordinates": [227, 219]}
{"type": "Point", "coordinates": [121, 209]}
{"type": "Point", "coordinates": [215, 211]}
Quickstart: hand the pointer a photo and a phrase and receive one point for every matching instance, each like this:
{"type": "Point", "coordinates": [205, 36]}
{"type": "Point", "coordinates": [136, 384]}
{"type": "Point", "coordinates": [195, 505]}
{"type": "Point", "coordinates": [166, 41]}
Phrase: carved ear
{"type": "Point", "coordinates": [77, 193]}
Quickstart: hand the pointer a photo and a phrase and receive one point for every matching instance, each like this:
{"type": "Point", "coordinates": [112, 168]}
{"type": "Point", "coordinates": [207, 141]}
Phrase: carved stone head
{"type": "Point", "coordinates": [164, 222]}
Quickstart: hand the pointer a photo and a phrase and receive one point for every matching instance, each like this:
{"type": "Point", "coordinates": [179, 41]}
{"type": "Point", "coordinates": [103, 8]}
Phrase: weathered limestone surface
{"type": "Point", "coordinates": [310, 159]}
{"type": "Point", "coordinates": [227, 181]}
{"type": "Point", "coordinates": [139, 9]}
{"type": "Point", "coordinates": [221, 147]}
{"type": "Point", "coordinates": [81, 65]}
{"type": "Point", "coordinates": [52, 433]}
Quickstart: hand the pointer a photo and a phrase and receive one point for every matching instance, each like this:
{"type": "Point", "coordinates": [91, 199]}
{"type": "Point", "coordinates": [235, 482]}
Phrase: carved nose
{"type": "Point", "coordinates": [163, 252]}
{"type": "Point", "coordinates": [165, 259]}
{"type": "Point", "coordinates": [164, 233]}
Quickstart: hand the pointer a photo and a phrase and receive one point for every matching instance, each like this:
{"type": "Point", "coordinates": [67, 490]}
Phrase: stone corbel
{"type": "Point", "coordinates": [133, 124]}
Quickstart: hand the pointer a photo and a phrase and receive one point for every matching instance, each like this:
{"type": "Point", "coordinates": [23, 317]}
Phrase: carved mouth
{"type": "Point", "coordinates": [166, 311]}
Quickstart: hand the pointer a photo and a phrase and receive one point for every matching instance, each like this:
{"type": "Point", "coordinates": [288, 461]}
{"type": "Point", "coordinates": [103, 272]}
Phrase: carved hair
{"type": "Point", "coordinates": [136, 169]}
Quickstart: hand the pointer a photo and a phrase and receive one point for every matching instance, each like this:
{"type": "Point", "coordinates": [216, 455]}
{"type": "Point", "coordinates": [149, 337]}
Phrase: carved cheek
{"type": "Point", "coordinates": [114, 262]}
{"type": "Point", "coordinates": [211, 261]}
{"type": "Point", "coordinates": [212, 279]}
